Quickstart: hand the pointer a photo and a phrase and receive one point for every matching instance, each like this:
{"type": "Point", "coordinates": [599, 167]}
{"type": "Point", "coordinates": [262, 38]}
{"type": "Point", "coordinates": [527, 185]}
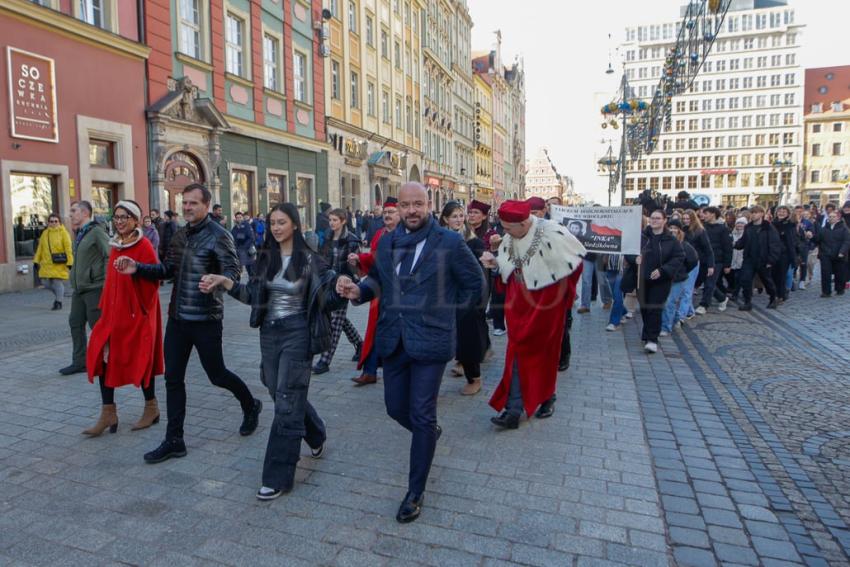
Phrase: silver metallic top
{"type": "Point", "coordinates": [285, 297]}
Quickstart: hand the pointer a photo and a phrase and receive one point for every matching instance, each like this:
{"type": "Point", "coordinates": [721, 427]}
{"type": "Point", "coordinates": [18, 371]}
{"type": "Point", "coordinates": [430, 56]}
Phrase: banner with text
{"type": "Point", "coordinates": [607, 230]}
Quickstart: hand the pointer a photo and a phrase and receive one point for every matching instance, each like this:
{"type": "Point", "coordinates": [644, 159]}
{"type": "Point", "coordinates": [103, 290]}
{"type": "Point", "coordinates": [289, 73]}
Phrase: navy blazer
{"type": "Point", "coordinates": [421, 312]}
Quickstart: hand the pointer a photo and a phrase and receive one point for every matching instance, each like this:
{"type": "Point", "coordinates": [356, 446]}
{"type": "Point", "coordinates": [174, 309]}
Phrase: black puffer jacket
{"type": "Point", "coordinates": [660, 252]}
{"type": "Point", "coordinates": [691, 261]}
{"type": "Point", "coordinates": [760, 244]}
{"type": "Point", "coordinates": [787, 240]}
{"type": "Point", "coordinates": [700, 242]}
{"type": "Point", "coordinates": [833, 240]}
{"type": "Point", "coordinates": [206, 248]}
{"type": "Point", "coordinates": [720, 239]}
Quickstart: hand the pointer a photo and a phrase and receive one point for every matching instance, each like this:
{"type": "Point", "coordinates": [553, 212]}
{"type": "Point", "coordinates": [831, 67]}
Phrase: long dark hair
{"type": "Point", "coordinates": [448, 210]}
{"type": "Point", "coordinates": [269, 262]}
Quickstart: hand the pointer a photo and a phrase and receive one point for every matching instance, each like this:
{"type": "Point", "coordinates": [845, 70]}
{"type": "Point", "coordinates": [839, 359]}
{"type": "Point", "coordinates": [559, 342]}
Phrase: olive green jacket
{"type": "Point", "coordinates": [90, 257]}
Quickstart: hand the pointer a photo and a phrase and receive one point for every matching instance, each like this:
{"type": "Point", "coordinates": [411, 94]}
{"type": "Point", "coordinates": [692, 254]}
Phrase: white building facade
{"type": "Point", "coordinates": [463, 118]}
{"type": "Point", "coordinates": [736, 137]}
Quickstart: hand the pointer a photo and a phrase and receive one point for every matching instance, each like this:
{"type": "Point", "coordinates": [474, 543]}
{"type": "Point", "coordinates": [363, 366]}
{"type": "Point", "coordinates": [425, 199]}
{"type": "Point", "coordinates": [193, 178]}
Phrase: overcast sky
{"type": "Point", "coordinates": [565, 48]}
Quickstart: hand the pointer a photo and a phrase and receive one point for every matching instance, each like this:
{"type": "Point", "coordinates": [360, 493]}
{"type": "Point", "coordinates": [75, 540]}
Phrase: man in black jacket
{"type": "Point", "coordinates": [833, 246]}
{"type": "Point", "coordinates": [721, 243]}
{"type": "Point", "coordinates": [683, 201]}
{"type": "Point", "coordinates": [201, 247]}
{"type": "Point", "coordinates": [761, 247]}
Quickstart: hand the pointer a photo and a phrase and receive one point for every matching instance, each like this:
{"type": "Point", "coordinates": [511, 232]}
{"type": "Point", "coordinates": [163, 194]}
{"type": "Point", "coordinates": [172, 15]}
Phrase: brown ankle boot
{"type": "Point", "coordinates": [108, 419]}
{"type": "Point", "coordinates": [472, 388]}
{"type": "Point", "coordinates": [149, 416]}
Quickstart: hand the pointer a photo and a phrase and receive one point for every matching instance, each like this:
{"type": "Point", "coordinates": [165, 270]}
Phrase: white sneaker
{"type": "Point", "coordinates": [611, 327]}
{"type": "Point", "coordinates": [498, 332]}
{"type": "Point", "coordinates": [700, 310]}
{"type": "Point", "coordinates": [723, 304]}
{"type": "Point", "coordinates": [663, 334]}
{"type": "Point", "coordinates": [801, 285]}
{"type": "Point", "coordinates": [650, 347]}
{"type": "Point", "coordinates": [629, 315]}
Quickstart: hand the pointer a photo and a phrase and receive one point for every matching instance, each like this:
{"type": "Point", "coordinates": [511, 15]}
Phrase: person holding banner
{"type": "Point", "coordinates": [660, 260]}
{"type": "Point", "coordinates": [539, 262]}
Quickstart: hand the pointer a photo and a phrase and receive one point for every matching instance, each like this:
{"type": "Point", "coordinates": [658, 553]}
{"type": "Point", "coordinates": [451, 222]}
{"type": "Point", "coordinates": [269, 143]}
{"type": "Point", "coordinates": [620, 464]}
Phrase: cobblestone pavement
{"type": "Point", "coordinates": [731, 446]}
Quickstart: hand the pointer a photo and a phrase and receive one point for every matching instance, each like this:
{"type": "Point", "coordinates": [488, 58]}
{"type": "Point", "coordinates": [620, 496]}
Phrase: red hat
{"type": "Point", "coordinates": [478, 206]}
{"type": "Point", "coordinates": [391, 202]}
{"type": "Point", "coordinates": [514, 211]}
{"type": "Point", "coordinates": [536, 203]}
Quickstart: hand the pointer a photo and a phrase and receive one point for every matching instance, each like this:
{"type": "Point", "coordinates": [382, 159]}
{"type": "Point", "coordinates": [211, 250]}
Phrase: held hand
{"type": "Point", "coordinates": [710, 272]}
{"type": "Point", "coordinates": [655, 274]}
{"type": "Point", "coordinates": [727, 270]}
{"type": "Point", "coordinates": [353, 259]}
{"type": "Point", "coordinates": [488, 260]}
{"type": "Point", "coordinates": [347, 288]}
{"type": "Point", "coordinates": [209, 282]}
{"type": "Point", "coordinates": [495, 240]}
{"type": "Point", "coordinates": [809, 234]}
{"type": "Point", "coordinates": [125, 265]}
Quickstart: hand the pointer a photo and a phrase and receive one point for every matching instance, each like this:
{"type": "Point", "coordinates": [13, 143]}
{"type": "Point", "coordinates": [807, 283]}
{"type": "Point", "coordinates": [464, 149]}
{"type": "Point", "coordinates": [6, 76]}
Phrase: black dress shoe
{"type": "Point", "coordinates": [357, 353]}
{"type": "Point", "coordinates": [167, 449]}
{"type": "Point", "coordinates": [439, 432]}
{"type": "Point", "coordinates": [546, 409]}
{"type": "Point", "coordinates": [563, 366]}
{"type": "Point", "coordinates": [251, 419]}
{"type": "Point", "coordinates": [774, 303]}
{"type": "Point", "coordinates": [745, 307]}
{"type": "Point", "coordinates": [410, 508]}
{"type": "Point", "coordinates": [506, 420]}
{"type": "Point", "coordinates": [72, 369]}
{"type": "Point", "coordinates": [822, 295]}
{"type": "Point", "coordinates": [320, 368]}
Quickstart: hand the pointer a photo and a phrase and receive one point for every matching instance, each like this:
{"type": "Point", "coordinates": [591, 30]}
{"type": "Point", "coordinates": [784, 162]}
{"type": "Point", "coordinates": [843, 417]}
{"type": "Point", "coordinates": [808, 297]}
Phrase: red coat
{"type": "Point", "coordinates": [366, 262]}
{"type": "Point", "coordinates": [130, 323]}
{"type": "Point", "coordinates": [535, 321]}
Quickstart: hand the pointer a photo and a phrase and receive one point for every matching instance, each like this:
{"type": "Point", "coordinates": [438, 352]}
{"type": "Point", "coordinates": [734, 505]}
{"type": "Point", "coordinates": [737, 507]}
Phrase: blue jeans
{"type": "Point", "coordinates": [789, 277]}
{"type": "Point", "coordinates": [587, 285]}
{"type": "Point", "coordinates": [618, 310]}
{"type": "Point", "coordinates": [679, 301]}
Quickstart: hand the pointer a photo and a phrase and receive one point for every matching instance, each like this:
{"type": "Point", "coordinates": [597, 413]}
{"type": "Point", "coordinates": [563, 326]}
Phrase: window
{"type": "Point", "coordinates": [33, 199]}
{"type": "Point", "coordinates": [299, 71]}
{"type": "Point", "coordinates": [370, 31]}
{"type": "Point", "coordinates": [836, 127]}
{"type": "Point", "coordinates": [398, 123]}
{"type": "Point", "coordinates": [836, 149]}
{"type": "Point", "coordinates": [355, 90]}
{"type": "Point", "coordinates": [304, 200]}
{"type": "Point", "coordinates": [92, 12]}
{"type": "Point", "coordinates": [816, 128]}
{"type": "Point", "coordinates": [190, 28]}
{"type": "Point", "coordinates": [335, 80]}
{"type": "Point", "coordinates": [385, 44]}
{"type": "Point", "coordinates": [271, 63]}
{"type": "Point", "coordinates": [385, 107]}
{"type": "Point", "coordinates": [242, 191]}
{"type": "Point", "coordinates": [233, 44]}
{"type": "Point", "coordinates": [352, 17]}
{"type": "Point", "coordinates": [370, 98]}
{"type": "Point", "coordinates": [815, 176]}
{"type": "Point", "coordinates": [102, 153]}
{"type": "Point", "coordinates": [835, 176]}
{"type": "Point", "coordinates": [334, 8]}
{"type": "Point", "coordinates": [397, 53]}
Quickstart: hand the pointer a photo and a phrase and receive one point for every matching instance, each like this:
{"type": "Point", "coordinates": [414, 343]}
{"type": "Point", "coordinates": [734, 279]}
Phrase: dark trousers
{"type": "Point", "coordinates": [107, 394]}
{"type": "Point", "coordinates": [497, 309]}
{"type": "Point", "coordinates": [653, 298]}
{"type": "Point", "coordinates": [84, 309]}
{"type": "Point", "coordinates": [566, 347]}
{"type": "Point", "coordinates": [747, 275]}
{"type": "Point", "coordinates": [780, 277]}
{"type": "Point", "coordinates": [410, 393]}
{"type": "Point", "coordinates": [833, 267]}
{"type": "Point", "coordinates": [711, 287]}
{"type": "Point", "coordinates": [205, 336]}
{"type": "Point", "coordinates": [286, 374]}
{"type": "Point", "coordinates": [471, 370]}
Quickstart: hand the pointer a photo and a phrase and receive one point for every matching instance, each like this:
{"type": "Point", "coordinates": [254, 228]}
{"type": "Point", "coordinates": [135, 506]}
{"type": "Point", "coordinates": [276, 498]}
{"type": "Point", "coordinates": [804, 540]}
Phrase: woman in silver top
{"type": "Point", "coordinates": [291, 293]}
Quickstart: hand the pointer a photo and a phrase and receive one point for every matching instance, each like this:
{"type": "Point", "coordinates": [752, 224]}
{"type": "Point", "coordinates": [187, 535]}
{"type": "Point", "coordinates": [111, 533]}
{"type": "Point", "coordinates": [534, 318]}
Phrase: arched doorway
{"type": "Point", "coordinates": [414, 174]}
{"type": "Point", "coordinates": [379, 198]}
{"type": "Point", "coordinates": [181, 169]}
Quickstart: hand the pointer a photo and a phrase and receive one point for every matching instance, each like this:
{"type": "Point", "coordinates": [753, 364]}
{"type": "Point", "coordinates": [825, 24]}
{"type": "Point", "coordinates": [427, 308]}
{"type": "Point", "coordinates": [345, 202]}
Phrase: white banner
{"type": "Point", "coordinates": [607, 230]}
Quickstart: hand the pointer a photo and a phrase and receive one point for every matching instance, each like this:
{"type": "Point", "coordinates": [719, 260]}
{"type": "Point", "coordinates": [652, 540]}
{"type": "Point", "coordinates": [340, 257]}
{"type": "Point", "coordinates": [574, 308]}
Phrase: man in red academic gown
{"type": "Point", "coordinates": [540, 262]}
{"type": "Point", "coordinates": [368, 357]}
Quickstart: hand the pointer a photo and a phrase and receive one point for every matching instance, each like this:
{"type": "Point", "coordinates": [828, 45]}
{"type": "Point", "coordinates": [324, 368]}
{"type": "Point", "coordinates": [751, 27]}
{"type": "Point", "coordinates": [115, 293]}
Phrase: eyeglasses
{"type": "Point", "coordinates": [120, 218]}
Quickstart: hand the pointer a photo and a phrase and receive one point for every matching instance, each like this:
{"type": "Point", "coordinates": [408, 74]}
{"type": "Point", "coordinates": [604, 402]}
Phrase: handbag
{"type": "Point", "coordinates": [57, 257]}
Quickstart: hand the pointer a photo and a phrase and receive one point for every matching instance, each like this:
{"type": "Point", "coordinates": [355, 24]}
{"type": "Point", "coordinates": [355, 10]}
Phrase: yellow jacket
{"type": "Point", "coordinates": [59, 241]}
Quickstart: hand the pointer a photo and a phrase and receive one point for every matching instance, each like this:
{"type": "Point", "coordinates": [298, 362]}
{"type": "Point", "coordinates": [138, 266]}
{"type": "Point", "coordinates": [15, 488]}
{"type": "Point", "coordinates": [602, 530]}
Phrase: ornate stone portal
{"type": "Point", "coordinates": [185, 132]}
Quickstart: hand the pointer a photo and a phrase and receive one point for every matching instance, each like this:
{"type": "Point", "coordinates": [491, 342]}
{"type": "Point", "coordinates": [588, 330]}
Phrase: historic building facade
{"type": "Point", "coordinates": [463, 99]}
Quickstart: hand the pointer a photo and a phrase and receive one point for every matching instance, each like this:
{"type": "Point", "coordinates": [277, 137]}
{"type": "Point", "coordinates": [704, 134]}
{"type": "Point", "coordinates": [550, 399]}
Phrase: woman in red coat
{"type": "Point", "coordinates": [126, 343]}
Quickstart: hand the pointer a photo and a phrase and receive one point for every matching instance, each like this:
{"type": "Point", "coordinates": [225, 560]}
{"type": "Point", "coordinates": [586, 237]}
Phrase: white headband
{"type": "Point", "coordinates": [132, 208]}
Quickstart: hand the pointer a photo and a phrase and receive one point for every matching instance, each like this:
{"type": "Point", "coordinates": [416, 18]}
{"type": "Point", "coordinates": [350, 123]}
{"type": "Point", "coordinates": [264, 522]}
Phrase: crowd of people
{"type": "Point", "coordinates": [432, 281]}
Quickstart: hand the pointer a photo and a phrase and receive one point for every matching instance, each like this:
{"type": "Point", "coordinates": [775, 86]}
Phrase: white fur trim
{"type": "Point", "coordinates": [557, 255]}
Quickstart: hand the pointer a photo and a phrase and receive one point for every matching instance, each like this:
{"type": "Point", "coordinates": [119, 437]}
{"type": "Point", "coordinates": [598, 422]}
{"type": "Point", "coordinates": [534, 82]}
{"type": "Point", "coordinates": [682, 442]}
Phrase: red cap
{"type": "Point", "coordinates": [536, 203]}
{"type": "Point", "coordinates": [514, 211]}
{"type": "Point", "coordinates": [478, 206]}
{"type": "Point", "coordinates": [391, 202]}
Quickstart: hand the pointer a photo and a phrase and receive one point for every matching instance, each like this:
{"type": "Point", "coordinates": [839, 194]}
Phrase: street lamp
{"type": "Point", "coordinates": [609, 165]}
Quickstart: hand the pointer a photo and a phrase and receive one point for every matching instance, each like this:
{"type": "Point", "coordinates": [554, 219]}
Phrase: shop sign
{"type": "Point", "coordinates": [32, 96]}
{"type": "Point", "coordinates": [354, 149]}
{"type": "Point", "coordinates": [718, 172]}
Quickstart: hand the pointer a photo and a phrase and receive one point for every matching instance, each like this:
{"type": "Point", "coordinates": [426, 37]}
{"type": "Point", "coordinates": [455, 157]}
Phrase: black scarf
{"type": "Point", "coordinates": [404, 245]}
